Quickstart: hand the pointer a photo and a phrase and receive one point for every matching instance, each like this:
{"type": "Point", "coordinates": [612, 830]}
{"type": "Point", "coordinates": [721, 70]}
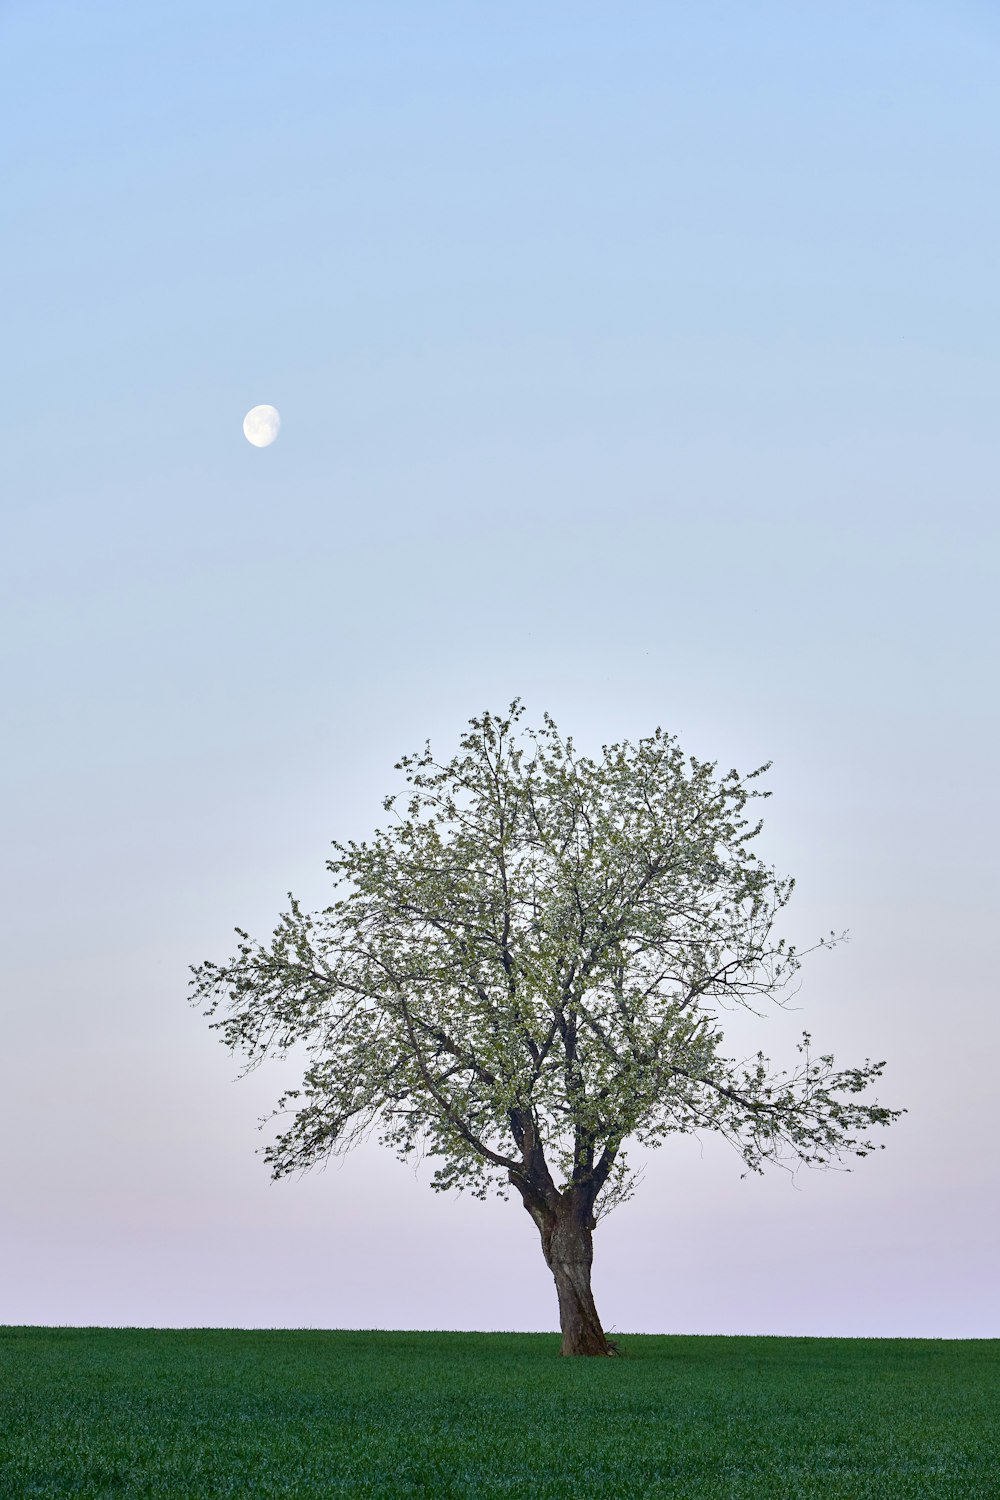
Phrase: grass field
{"type": "Point", "coordinates": [132, 1412]}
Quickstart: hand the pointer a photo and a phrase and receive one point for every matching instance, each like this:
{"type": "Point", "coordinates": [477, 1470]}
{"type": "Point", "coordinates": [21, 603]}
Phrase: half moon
{"type": "Point", "coordinates": [261, 426]}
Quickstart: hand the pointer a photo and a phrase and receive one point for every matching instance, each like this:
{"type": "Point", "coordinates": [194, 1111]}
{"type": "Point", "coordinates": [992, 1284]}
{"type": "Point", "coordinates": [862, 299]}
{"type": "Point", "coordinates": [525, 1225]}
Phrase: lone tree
{"type": "Point", "coordinates": [524, 974]}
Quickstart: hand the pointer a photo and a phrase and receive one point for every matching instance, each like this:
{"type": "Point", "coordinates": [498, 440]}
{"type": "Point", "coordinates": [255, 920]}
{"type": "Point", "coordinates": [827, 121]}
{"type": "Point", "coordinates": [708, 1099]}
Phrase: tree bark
{"type": "Point", "coordinates": [568, 1247]}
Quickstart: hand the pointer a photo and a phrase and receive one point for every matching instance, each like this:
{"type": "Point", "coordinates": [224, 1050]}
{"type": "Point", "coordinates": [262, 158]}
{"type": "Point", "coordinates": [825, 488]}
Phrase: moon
{"type": "Point", "coordinates": [261, 425]}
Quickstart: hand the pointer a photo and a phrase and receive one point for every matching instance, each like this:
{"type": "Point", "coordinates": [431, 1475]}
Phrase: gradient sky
{"type": "Point", "coordinates": [639, 360]}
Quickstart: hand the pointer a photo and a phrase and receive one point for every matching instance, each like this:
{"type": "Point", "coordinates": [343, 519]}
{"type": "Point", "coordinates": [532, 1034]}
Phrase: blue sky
{"type": "Point", "coordinates": [640, 361]}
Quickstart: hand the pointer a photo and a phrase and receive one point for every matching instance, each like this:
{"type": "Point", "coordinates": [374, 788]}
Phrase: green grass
{"type": "Point", "coordinates": [132, 1412]}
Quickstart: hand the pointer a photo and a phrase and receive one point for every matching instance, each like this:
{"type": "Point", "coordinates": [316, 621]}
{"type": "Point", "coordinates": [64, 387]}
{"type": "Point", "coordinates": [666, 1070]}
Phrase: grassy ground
{"type": "Point", "coordinates": [130, 1412]}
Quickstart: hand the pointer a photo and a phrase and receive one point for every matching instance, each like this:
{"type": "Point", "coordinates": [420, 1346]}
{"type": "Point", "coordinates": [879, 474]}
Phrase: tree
{"type": "Point", "coordinates": [524, 973]}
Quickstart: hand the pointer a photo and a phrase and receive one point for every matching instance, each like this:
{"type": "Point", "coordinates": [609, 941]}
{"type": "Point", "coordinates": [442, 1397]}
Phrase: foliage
{"type": "Point", "coordinates": [526, 970]}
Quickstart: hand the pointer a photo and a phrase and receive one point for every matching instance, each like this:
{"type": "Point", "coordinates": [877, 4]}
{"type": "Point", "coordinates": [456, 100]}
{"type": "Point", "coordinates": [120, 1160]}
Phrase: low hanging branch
{"type": "Point", "coordinates": [524, 973]}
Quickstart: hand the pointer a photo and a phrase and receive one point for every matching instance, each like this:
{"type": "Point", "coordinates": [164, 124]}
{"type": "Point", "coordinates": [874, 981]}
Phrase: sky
{"type": "Point", "coordinates": [640, 361]}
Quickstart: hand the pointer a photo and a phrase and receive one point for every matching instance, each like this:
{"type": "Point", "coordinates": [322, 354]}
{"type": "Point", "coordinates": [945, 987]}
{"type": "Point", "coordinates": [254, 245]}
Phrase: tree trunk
{"type": "Point", "coordinates": [568, 1247]}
